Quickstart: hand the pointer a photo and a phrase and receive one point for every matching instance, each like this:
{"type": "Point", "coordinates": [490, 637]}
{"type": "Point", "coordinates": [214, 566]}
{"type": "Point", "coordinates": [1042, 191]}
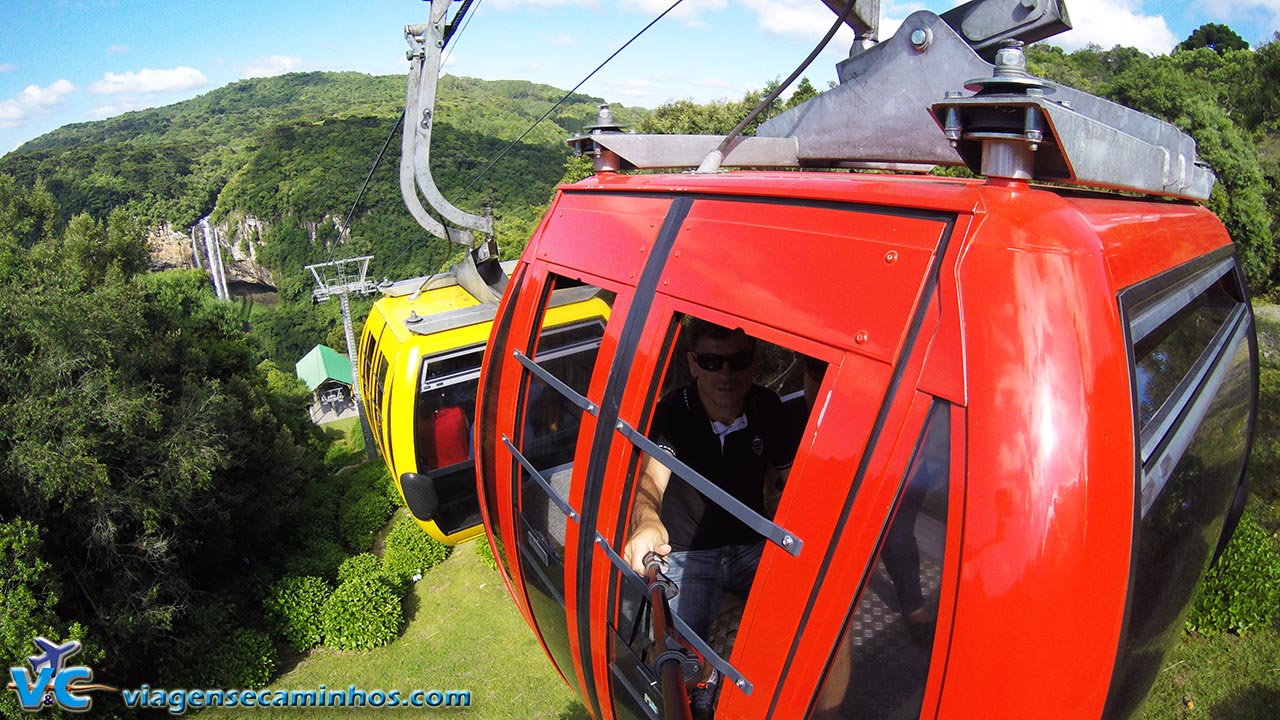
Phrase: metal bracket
{"type": "Point", "coordinates": [877, 113]}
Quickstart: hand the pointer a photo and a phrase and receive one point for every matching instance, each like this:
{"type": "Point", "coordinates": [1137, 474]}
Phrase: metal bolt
{"type": "Point", "coordinates": [921, 39]}
{"type": "Point", "coordinates": [861, 338]}
{"type": "Point", "coordinates": [788, 541]}
{"type": "Point", "coordinates": [953, 128]}
{"type": "Point", "coordinates": [620, 425]}
{"type": "Point", "coordinates": [741, 682]}
{"type": "Point", "coordinates": [891, 257]}
{"type": "Point", "coordinates": [1010, 59]}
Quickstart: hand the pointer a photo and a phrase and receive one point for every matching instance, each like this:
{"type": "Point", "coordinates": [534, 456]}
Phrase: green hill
{"type": "Point", "coordinates": [293, 150]}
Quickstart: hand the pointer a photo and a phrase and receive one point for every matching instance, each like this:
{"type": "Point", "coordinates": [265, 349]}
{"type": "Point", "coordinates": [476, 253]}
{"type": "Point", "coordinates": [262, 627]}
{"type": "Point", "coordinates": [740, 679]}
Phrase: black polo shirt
{"type": "Point", "coordinates": [681, 425]}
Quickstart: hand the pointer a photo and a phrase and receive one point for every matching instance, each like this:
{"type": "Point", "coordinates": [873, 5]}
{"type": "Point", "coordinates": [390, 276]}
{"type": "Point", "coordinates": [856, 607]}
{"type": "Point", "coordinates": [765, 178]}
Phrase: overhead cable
{"type": "Point", "coordinates": [560, 102]}
{"type": "Point", "coordinates": [768, 100]}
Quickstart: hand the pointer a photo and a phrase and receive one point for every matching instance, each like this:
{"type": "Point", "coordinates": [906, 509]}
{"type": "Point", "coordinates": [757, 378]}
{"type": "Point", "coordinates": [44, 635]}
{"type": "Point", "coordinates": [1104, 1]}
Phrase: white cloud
{"type": "Point", "coordinates": [1102, 22]}
{"type": "Point", "coordinates": [1265, 13]}
{"type": "Point", "coordinates": [716, 83]}
{"type": "Point", "coordinates": [270, 66]}
{"type": "Point", "coordinates": [562, 40]}
{"type": "Point", "coordinates": [1107, 23]}
{"type": "Point", "coordinates": [803, 20]}
{"type": "Point", "coordinates": [7, 67]}
{"type": "Point", "coordinates": [33, 101]}
{"type": "Point", "coordinates": [689, 12]}
{"type": "Point", "coordinates": [505, 5]}
{"type": "Point", "coordinates": [148, 81]}
{"type": "Point", "coordinates": [119, 49]}
{"type": "Point", "coordinates": [106, 111]}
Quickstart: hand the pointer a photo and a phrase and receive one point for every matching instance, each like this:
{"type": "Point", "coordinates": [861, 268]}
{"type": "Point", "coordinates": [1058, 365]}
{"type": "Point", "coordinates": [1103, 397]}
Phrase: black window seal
{"type": "Point", "coordinates": [454, 377]}
{"type": "Point", "coordinates": [1150, 313]}
{"type": "Point", "coordinates": [1193, 407]}
{"type": "Point", "coordinates": [1172, 409]}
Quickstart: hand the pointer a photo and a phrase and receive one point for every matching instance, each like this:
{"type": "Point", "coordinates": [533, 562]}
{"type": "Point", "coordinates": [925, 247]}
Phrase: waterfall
{"type": "Point", "coordinates": [217, 273]}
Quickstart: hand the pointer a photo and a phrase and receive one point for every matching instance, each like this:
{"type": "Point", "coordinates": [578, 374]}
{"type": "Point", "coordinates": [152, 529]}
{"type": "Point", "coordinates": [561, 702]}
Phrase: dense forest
{"type": "Point", "coordinates": [159, 469]}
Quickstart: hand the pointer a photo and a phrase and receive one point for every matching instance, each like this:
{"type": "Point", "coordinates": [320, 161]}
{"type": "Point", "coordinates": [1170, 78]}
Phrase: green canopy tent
{"type": "Point", "coordinates": [327, 374]}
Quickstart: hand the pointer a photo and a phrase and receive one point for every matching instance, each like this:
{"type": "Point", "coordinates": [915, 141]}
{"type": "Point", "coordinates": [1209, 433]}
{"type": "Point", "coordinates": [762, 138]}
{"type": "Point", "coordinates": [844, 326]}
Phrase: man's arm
{"type": "Point", "coordinates": [648, 534]}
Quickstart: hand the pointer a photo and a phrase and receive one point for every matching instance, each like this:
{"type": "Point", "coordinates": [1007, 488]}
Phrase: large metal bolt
{"type": "Point", "coordinates": [1010, 59]}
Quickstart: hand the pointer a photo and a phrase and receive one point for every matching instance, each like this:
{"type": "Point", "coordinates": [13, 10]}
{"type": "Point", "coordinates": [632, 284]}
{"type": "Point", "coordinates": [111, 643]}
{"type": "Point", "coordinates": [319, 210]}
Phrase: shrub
{"type": "Point", "coordinates": [357, 566]}
{"type": "Point", "coordinates": [485, 551]}
{"type": "Point", "coordinates": [294, 610]}
{"type": "Point", "coordinates": [317, 556]}
{"type": "Point", "coordinates": [244, 659]}
{"type": "Point", "coordinates": [364, 512]}
{"type": "Point", "coordinates": [409, 551]}
{"type": "Point", "coordinates": [1242, 592]}
{"type": "Point", "coordinates": [362, 614]}
{"type": "Point", "coordinates": [340, 454]}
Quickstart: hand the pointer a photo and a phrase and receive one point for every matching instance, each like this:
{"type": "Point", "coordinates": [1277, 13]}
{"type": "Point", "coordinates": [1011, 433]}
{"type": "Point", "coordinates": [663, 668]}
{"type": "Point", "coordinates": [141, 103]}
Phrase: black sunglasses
{"type": "Point", "coordinates": [711, 362]}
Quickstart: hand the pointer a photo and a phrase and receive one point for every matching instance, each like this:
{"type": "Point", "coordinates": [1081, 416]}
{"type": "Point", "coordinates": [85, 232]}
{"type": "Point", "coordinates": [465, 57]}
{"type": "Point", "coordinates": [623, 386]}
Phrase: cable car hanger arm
{"type": "Point", "coordinates": [426, 43]}
{"type": "Point", "coordinates": [478, 273]}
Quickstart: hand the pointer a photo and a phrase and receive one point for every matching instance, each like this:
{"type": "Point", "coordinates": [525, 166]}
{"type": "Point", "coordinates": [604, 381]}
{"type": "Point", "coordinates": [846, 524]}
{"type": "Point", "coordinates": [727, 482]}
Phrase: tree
{"type": "Point", "coordinates": [804, 91]}
{"type": "Point", "coordinates": [1216, 37]}
{"type": "Point", "coordinates": [150, 467]}
{"type": "Point", "coordinates": [1161, 87]}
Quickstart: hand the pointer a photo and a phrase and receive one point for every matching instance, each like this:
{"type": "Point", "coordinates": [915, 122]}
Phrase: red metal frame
{"type": "Point", "coordinates": [1020, 333]}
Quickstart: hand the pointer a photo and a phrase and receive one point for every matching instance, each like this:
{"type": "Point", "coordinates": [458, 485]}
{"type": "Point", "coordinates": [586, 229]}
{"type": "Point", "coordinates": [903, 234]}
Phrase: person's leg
{"type": "Point", "coordinates": [740, 564]}
{"type": "Point", "coordinates": [699, 579]}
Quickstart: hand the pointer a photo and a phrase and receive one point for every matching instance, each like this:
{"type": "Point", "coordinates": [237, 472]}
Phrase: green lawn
{"type": "Point", "coordinates": [1221, 678]}
{"type": "Point", "coordinates": [463, 633]}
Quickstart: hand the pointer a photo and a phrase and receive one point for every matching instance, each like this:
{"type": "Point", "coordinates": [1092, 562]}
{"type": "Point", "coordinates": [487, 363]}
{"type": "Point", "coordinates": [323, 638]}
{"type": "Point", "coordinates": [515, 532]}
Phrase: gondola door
{"type": "Point", "coordinates": [723, 268]}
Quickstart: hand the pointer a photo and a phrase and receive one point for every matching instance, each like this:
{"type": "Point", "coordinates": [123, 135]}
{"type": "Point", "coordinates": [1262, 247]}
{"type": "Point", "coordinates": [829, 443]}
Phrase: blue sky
{"type": "Point", "coordinates": [64, 61]}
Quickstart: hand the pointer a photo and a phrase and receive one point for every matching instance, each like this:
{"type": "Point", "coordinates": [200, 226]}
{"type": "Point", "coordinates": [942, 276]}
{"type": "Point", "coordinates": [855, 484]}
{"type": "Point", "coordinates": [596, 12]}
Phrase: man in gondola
{"type": "Point", "coordinates": [733, 433]}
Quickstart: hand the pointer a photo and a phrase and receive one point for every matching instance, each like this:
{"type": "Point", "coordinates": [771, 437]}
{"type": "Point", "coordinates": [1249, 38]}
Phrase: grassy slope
{"type": "Point", "coordinates": [464, 634]}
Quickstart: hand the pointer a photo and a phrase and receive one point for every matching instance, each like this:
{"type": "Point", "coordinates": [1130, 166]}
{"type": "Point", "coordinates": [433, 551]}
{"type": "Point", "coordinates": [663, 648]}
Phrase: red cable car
{"type": "Point", "coordinates": [1037, 405]}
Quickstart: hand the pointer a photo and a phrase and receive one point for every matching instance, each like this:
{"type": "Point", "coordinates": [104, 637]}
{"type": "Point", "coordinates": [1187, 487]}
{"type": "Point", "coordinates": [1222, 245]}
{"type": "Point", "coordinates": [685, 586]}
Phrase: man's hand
{"type": "Point", "coordinates": [645, 538]}
{"type": "Point", "coordinates": [648, 534]}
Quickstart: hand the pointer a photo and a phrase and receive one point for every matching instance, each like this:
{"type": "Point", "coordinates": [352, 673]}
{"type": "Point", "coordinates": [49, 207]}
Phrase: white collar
{"type": "Point", "coordinates": [723, 430]}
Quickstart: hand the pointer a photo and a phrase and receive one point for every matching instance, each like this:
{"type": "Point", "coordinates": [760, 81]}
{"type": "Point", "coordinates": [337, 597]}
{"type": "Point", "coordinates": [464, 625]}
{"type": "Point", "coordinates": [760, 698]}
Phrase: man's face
{"type": "Point", "coordinates": [726, 386]}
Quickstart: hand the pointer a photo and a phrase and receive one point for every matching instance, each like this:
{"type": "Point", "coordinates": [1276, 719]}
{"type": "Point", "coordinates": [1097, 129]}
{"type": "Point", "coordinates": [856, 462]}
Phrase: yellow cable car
{"type": "Point", "coordinates": [419, 362]}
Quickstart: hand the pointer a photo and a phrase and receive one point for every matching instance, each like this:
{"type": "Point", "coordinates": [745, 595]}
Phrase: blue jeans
{"type": "Point", "coordinates": [702, 576]}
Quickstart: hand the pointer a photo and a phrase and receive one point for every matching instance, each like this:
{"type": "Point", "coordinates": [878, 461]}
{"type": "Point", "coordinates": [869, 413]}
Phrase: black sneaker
{"type": "Point", "coordinates": [702, 698]}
